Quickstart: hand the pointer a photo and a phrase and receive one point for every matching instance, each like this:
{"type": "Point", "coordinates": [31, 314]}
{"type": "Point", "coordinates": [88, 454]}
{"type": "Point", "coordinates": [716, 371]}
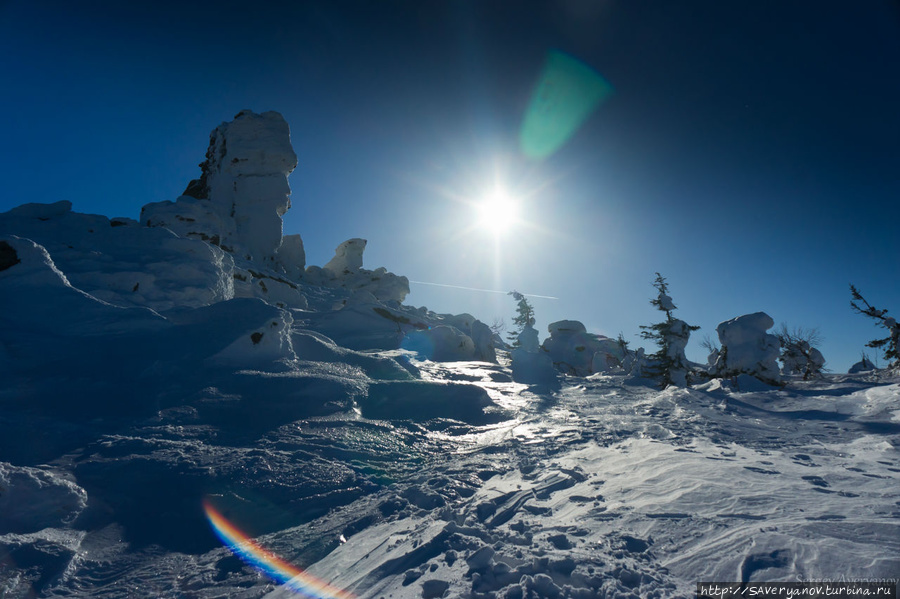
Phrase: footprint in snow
{"type": "Point", "coordinates": [816, 480]}
{"type": "Point", "coordinates": [805, 460]}
{"type": "Point", "coordinates": [761, 470]}
{"type": "Point", "coordinates": [763, 561]}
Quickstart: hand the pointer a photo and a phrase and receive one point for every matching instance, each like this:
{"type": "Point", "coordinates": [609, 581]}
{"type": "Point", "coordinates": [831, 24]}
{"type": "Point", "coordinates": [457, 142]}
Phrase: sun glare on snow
{"type": "Point", "coordinates": [498, 212]}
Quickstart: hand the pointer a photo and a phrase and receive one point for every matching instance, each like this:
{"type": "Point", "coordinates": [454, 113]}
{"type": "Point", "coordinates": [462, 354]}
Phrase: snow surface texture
{"type": "Point", "coordinates": [148, 370]}
{"type": "Point", "coordinates": [606, 489]}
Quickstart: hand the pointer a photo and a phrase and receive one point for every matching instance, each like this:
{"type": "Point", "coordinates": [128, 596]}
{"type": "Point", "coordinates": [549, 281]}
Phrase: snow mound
{"type": "Point", "coordinates": [125, 265]}
{"type": "Point", "coordinates": [440, 343]}
{"type": "Point", "coordinates": [427, 400]}
{"type": "Point", "coordinates": [37, 297]}
{"type": "Point", "coordinates": [34, 498]}
{"type": "Point", "coordinates": [864, 365]}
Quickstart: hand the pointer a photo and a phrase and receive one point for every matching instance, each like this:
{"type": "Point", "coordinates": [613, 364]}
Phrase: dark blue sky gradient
{"type": "Point", "coordinates": [750, 153]}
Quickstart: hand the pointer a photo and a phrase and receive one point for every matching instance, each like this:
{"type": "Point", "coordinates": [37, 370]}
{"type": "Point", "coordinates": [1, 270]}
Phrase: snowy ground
{"type": "Point", "coordinates": [604, 488]}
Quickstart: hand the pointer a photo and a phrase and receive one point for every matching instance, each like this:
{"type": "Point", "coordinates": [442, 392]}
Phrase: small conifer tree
{"type": "Point", "coordinates": [669, 364]}
{"type": "Point", "coordinates": [623, 344]}
{"type": "Point", "coordinates": [524, 317]}
{"type": "Point", "coordinates": [889, 343]}
{"type": "Point", "coordinates": [798, 352]}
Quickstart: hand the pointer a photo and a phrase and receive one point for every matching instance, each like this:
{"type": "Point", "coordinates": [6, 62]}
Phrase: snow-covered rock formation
{"type": "Point", "coordinates": [635, 362]}
{"type": "Point", "coordinates": [242, 193]}
{"type": "Point", "coordinates": [575, 351]}
{"type": "Point", "coordinates": [205, 286]}
{"type": "Point", "coordinates": [530, 363]}
{"type": "Point", "coordinates": [345, 271]}
{"type": "Point", "coordinates": [569, 347]}
{"type": "Point", "coordinates": [480, 333]}
{"type": "Point", "coordinates": [348, 257]}
{"type": "Point", "coordinates": [747, 348]}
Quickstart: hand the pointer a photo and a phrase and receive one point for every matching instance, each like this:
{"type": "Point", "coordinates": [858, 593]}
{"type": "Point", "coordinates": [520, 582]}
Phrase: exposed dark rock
{"type": "Point", "coordinates": [8, 256]}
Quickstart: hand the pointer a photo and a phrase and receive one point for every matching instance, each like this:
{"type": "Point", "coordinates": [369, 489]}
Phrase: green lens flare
{"type": "Point", "coordinates": [565, 95]}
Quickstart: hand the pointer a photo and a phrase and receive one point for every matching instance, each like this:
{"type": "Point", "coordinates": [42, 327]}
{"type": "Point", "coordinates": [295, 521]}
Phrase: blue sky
{"type": "Point", "coordinates": [750, 152]}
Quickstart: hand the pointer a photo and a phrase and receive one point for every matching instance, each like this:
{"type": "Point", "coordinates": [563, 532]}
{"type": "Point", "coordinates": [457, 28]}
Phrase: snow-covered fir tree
{"type": "Point", "coordinates": [798, 352]}
{"type": "Point", "coordinates": [669, 364]}
{"type": "Point", "coordinates": [524, 318]}
{"type": "Point", "coordinates": [891, 343]}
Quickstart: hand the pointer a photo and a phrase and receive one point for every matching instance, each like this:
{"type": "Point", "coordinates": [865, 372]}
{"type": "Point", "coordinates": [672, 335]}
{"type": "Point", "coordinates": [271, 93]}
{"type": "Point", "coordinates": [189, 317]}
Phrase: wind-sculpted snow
{"type": "Point", "coordinates": [119, 262]}
{"type": "Point", "coordinates": [606, 488]}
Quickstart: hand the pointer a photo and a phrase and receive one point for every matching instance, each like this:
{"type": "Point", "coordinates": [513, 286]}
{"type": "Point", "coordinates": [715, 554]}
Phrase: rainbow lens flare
{"type": "Point", "coordinates": [566, 94]}
{"type": "Point", "coordinates": [267, 562]}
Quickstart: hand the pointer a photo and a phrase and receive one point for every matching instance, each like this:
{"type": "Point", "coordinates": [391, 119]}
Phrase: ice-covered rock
{"type": "Point", "coordinates": [747, 348]}
{"type": "Point", "coordinates": [268, 342]}
{"type": "Point", "coordinates": [36, 297]}
{"type": "Point", "coordinates": [365, 326]}
{"type": "Point", "coordinates": [242, 193]}
{"type": "Point", "coordinates": [365, 323]}
{"type": "Point", "coordinates": [269, 286]}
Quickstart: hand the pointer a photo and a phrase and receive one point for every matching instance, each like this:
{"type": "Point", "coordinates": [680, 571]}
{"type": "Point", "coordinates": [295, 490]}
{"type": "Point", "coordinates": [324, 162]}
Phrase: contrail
{"type": "Point", "coordinates": [550, 297]}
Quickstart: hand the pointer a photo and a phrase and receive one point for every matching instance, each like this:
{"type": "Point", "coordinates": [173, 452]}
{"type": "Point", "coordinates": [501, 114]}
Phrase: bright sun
{"type": "Point", "coordinates": [498, 212]}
